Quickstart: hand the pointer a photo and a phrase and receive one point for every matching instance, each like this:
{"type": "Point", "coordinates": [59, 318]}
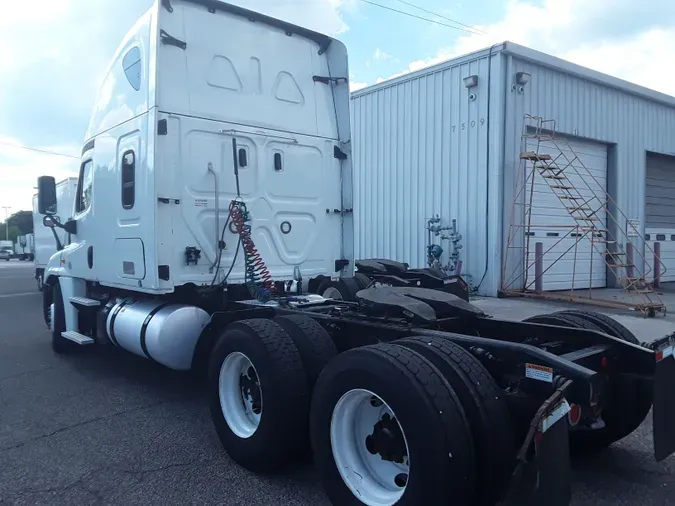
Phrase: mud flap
{"type": "Point", "coordinates": [664, 398]}
{"type": "Point", "coordinates": [543, 474]}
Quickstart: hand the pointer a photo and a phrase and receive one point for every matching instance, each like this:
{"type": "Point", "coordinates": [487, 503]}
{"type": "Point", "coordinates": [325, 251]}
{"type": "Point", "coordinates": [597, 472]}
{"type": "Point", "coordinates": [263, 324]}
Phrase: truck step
{"type": "Point", "coordinates": [76, 337]}
{"type": "Point", "coordinates": [84, 301]}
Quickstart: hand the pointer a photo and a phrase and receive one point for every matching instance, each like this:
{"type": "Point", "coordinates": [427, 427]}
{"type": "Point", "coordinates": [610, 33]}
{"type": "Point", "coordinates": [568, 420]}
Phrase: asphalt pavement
{"type": "Point", "coordinates": [105, 427]}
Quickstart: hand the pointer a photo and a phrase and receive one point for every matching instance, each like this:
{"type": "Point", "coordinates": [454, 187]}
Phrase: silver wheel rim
{"type": "Point", "coordinates": [51, 317]}
{"type": "Point", "coordinates": [240, 394]}
{"type": "Point", "coordinates": [369, 448]}
{"type": "Point", "coordinates": [332, 293]}
{"type": "Point", "coordinates": [39, 282]}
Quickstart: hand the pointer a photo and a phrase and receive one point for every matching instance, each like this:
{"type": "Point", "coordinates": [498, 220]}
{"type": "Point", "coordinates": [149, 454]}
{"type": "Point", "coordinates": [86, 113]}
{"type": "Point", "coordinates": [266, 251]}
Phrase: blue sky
{"type": "Point", "coordinates": [51, 62]}
{"type": "Point", "coordinates": [382, 43]}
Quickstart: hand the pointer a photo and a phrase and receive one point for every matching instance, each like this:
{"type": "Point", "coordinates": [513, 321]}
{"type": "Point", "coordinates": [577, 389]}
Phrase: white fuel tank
{"type": "Point", "coordinates": [163, 332]}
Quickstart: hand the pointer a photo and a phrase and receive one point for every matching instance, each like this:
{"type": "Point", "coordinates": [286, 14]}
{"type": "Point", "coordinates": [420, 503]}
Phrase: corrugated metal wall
{"type": "Point", "coordinates": [629, 124]}
{"type": "Point", "coordinates": [420, 147]}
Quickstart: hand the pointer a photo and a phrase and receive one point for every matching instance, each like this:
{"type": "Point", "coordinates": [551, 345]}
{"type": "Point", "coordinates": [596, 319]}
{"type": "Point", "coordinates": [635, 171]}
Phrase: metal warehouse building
{"type": "Point", "coordinates": [449, 141]}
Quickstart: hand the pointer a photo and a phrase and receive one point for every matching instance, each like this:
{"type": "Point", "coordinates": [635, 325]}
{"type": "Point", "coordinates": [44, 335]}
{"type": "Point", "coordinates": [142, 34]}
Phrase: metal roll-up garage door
{"type": "Point", "coordinates": [583, 266]}
{"type": "Point", "coordinates": [660, 211]}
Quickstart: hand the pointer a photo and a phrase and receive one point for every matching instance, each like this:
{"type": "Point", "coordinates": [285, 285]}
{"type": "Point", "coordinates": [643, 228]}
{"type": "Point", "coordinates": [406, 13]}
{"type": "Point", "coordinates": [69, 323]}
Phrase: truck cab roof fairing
{"type": "Point", "coordinates": [322, 40]}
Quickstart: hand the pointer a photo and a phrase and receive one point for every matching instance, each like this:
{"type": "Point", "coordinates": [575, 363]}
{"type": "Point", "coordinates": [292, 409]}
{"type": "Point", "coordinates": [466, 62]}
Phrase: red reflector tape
{"type": "Point", "coordinates": [574, 415]}
{"type": "Point", "coordinates": [664, 353]}
{"type": "Point", "coordinates": [538, 437]}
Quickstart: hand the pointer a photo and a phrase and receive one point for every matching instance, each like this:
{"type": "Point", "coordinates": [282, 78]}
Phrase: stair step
{"type": "Point", "coordinates": [76, 337]}
{"type": "Point", "coordinates": [84, 301]}
{"type": "Point", "coordinates": [552, 176]}
{"type": "Point", "coordinates": [569, 197]}
{"type": "Point", "coordinates": [642, 292]}
{"type": "Point", "coordinates": [575, 209]}
{"type": "Point", "coordinates": [586, 218]}
{"type": "Point", "coordinates": [561, 187]}
{"type": "Point", "coordinates": [531, 155]}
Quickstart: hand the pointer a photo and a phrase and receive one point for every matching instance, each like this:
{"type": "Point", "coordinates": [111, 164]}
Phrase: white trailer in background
{"type": "Point", "coordinates": [44, 243]}
{"type": "Point", "coordinates": [18, 248]}
{"type": "Point", "coordinates": [24, 248]}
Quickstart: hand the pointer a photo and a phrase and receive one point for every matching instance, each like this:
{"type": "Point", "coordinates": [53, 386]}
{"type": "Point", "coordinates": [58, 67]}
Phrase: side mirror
{"type": "Point", "coordinates": [46, 195]}
{"type": "Point", "coordinates": [49, 222]}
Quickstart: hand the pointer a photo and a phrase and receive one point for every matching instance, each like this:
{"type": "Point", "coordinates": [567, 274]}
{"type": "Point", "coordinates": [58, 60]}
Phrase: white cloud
{"type": "Point", "coordinates": [20, 168]}
{"type": "Point", "coordinates": [355, 85]}
{"type": "Point", "coordinates": [618, 37]}
{"type": "Point", "coordinates": [381, 55]}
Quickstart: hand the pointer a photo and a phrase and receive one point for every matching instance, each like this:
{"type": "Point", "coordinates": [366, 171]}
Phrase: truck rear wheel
{"type": "Point", "coordinates": [258, 395]}
{"type": "Point", "coordinates": [343, 289]}
{"type": "Point", "coordinates": [485, 406]}
{"type": "Point", "coordinates": [606, 323]}
{"type": "Point", "coordinates": [629, 401]}
{"type": "Point", "coordinates": [386, 428]}
{"type": "Point", "coordinates": [362, 280]}
{"type": "Point", "coordinates": [314, 344]}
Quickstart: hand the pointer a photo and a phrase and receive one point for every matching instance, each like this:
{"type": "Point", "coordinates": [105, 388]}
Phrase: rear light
{"type": "Point", "coordinates": [574, 415]}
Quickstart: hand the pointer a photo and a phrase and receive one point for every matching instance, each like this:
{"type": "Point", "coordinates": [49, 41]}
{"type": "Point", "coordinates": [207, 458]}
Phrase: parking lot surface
{"type": "Point", "coordinates": [100, 427]}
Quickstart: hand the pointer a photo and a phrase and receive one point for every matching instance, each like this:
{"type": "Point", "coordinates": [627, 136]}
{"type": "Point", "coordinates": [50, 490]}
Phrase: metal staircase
{"type": "Point", "coordinates": [555, 162]}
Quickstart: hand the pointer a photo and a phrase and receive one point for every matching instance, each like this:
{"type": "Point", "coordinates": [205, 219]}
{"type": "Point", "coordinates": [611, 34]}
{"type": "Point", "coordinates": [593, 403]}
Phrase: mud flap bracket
{"type": "Point", "coordinates": [542, 474]}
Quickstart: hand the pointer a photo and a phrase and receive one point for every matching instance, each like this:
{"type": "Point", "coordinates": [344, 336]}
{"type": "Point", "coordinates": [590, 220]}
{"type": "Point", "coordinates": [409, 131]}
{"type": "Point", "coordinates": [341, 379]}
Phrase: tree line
{"type": "Point", "coordinates": [20, 223]}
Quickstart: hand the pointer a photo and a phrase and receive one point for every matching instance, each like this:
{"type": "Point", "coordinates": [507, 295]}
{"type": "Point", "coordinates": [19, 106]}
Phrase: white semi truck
{"type": "Point", "coordinates": [215, 190]}
{"type": "Point", "coordinates": [44, 243]}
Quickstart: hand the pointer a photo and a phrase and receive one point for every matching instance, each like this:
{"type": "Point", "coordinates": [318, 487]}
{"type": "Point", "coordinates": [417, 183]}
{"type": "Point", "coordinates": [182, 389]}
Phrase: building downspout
{"type": "Point", "coordinates": [502, 176]}
{"type": "Point", "coordinates": [487, 169]}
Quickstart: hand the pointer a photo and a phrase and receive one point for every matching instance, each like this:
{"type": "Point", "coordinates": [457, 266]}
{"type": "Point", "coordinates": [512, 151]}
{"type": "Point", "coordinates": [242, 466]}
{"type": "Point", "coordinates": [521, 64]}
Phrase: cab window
{"type": "Point", "coordinates": [132, 67]}
{"type": "Point", "coordinates": [84, 187]}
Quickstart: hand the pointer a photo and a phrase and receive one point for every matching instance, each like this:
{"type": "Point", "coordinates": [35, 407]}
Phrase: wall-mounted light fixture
{"type": "Point", "coordinates": [522, 78]}
{"type": "Point", "coordinates": [471, 81]}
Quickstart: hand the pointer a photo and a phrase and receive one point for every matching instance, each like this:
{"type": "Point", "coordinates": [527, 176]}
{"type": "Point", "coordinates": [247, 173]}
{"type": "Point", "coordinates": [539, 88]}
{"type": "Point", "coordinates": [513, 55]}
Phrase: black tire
{"type": "Point", "coordinates": [47, 297]}
{"type": "Point", "coordinates": [553, 319]}
{"type": "Point", "coordinates": [608, 324]}
{"type": "Point", "coordinates": [281, 435]}
{"type": "Point", "coordinates": [362, 280]}
{"type": "Point", "coordinates": [630, 400]}
{"type": "Point", "coordinates": [427, 409]}
{"type": "Point", "coordinates": [60, 345]}
{"type": "Point", "coordinates": [485, 406]}
{"type": "Point", "coordinates": [346, 288]}
{"type": "Point", "coordinates": [313, 342]}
